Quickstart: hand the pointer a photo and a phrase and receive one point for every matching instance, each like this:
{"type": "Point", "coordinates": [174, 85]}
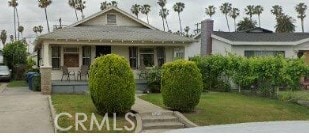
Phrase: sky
{"type": "Point", "coordinates": [31, 15]}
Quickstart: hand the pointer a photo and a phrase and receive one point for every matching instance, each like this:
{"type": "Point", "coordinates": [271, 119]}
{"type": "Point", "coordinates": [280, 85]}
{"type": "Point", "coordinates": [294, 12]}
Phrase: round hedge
{"type": "Point", "coordinates": [112, 84]}
{"type": "Point", "coordinates": [181, 85]}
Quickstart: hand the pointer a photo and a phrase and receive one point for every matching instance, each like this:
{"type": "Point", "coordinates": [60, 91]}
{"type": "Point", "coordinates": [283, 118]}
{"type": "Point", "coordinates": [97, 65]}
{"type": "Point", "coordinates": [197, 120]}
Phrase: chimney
{"type": "Point", "coordinates": [206, 40]}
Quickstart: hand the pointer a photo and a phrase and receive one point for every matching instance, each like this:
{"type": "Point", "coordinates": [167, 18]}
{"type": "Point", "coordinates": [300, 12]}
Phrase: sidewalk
{"type": "Point", "coordinates": [142, 106]}
{"type": "Point", "coordinates": [22, 110]}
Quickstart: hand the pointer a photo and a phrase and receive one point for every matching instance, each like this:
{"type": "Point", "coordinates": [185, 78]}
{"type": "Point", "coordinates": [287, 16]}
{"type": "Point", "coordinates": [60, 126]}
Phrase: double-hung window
{"type": "Point", "coordinates": [87, 55]}
{"type": "Point", "coordinates": [146, 57]}
{"type": "Point", "coordinates": [133, 57]}
{"type": "Point", "coordinates": [263, 53]}
{"type": "Point", "coordinates": [160, 56]}
{"type": "Point", "coordinates": [55, 57]}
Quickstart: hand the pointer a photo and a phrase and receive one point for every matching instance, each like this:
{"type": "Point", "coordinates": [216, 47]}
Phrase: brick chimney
{"type": "Point", "coordinates": [206, 40]}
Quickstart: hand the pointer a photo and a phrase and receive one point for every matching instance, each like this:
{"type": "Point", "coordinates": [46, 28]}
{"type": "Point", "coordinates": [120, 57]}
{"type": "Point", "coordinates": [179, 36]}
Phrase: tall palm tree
{"type": "Point", "coordinates": [285, 24]}
{"type": "Point", "coordinates": [250, 10]}
{"type": "Point", "coordinates": [21, 30]}
{"type": "Point", "coordinates": [80, 6]}
{"type": "Point", "coordinates": [44, 4]}
{"type": "Point", "coordinates": [14, 4]}
{"type": "Point", "coordinates": [35, 30]}
{"type": "Point", "coordinates": [3, 37]}
{"type": "Point", "coordinates": [179, 7]}
{"type": "Point", "coordinates": [259, 10]}
{"type": "Point", "coordinates": [246, 24]}
{"type": "Point", "coordinates": [187, 29]}
{"type": "Point", "coordinates": [210, 11]}
{"type": "Point", "coordinates": [162, 4]}
{"type": "Point", "coordinates": [277, 11]}
{"type": "Point", "coordinates": [145, 10]}
{"type": "Point", "coordinates": [301, 10]}
{"type": "Point", "coordinates": [226, 9]}
{"type": "Point", "coordinates": [135, 9]}
{"type": "Point", "coordinates": [164, 13]}
{"type": "Point", "coordinates": [72, 4]}
{"type": "Point", "coordinates": [104, 5]}
{"type": "Point", "coordinates": [40, 29]}
{"type": "Point", "coordinates": [234, 14]}
{"type": "Point", "coordinates": [114, 3]}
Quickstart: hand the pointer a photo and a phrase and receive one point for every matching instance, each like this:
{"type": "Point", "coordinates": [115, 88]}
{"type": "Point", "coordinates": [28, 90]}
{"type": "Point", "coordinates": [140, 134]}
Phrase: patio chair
{"type": "Point", "coordinates": [305, 83]}
{"type": "Point", "coordinates": [67, 73]}
{"type": "Point", "coordinates": [83, 72]}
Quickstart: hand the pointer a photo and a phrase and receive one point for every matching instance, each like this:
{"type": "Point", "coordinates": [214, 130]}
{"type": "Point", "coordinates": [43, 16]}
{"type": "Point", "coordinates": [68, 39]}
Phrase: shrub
{"type": "Point", "coordinates": [154, 80]}
{"type": "Point", "coordinates": [181, 85]}
{"type": "Point", "coordinates": [111, 84]}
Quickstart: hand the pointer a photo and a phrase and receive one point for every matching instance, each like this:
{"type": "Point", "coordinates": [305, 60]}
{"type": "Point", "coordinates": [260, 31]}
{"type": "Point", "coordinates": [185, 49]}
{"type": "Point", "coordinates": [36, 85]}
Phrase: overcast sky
{"type": "Point", "coordinates": [31, 15]}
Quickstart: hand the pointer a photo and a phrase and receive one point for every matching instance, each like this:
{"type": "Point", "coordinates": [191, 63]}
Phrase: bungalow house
{"type": "Point", "coordinates": [255, 42]}
{"type": "Point", "coordinates": [109, 31]}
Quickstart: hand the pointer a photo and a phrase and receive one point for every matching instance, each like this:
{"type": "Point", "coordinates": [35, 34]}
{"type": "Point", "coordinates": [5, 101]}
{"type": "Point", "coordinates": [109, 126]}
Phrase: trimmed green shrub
{"type": "Point", "coordinates": [181, 85]}
{"type": "Point", "coordinates": [112, 84]}
{"type": "Point", "coordinates": [153, 77]}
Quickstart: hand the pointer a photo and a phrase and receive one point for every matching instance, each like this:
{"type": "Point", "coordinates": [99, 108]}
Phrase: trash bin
{"type": "Point", "coordinates": [36, 82]}
{"type": "Point", "coordinates": [27, 76]}
{"type": "Point", "coordinates": [30, 77]}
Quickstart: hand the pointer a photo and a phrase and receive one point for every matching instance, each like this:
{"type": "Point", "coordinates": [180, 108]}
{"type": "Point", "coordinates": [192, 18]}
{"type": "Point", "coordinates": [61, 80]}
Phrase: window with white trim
{"type": "Point", "coordinates": [146, 57]}
{"type": "Point", "coordinates": [87, 55]}
{"type": "Point", "coordinates": [179, 53]}
{"type": "Point", "coordinates": [55, 57]}
{"type": "Point", "coordinates": [256, 53]}
{"type": "Point", "coordinates": [161, 56]}
{"type": "Point", "coordinates": [133, 57]}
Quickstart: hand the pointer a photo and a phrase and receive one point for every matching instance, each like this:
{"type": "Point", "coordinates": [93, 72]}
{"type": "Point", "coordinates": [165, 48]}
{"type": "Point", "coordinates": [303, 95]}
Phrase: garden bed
{"type": "Point", "coordinates": [229, 108]}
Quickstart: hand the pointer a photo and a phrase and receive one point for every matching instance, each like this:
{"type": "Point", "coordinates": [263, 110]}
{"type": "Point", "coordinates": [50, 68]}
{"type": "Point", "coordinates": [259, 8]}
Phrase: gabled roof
{"type": "Point", "coordinates": [118, 10]}
{"type": "Point", "coordinates": [258, 30]}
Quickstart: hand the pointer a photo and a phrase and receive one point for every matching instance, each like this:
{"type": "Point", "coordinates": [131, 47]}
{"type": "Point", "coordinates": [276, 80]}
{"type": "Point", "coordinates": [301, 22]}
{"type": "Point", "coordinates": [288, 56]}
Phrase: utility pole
{"type": "Point", "coordinates": [197, 30]}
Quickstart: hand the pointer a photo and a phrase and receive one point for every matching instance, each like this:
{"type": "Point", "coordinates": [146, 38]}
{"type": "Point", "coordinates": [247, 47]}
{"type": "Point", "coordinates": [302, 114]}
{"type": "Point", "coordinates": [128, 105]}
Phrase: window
{"type": "Point", "coordinates": [263, 53]}
{"type": "Point", "coordinates": [147, 57]}
{"type": "Point", "coordinates": [133, 57]}
{"type": "Point", "coordinates": [111, 19]}
{"type": "Point", "coordinates": [87, 55]}
{"type": "Point", "coordinates": [71, 57]}
{"type": "Point", "coordinates": [56, 57]}
{"type": "Point", "coordinates": [179, 53]}
{"type": "Point", "coordinates": [161, 56]}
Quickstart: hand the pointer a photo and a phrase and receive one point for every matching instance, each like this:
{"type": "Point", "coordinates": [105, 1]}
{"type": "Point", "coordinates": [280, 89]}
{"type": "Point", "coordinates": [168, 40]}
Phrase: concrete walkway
{"type": "Point", "coordinates": [142, 106]}
{"type": "Point", "coordinates": [24, 111]}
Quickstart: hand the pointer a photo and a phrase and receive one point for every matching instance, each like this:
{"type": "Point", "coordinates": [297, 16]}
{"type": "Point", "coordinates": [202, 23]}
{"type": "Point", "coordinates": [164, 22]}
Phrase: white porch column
{"type": "Point", "coordinates": [46, 70]}
{"type": "Point", "coordinates": [46, 55]}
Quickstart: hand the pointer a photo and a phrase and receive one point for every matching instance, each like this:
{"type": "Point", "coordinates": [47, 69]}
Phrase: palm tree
{"type": "Point", "coordinates": [211, 10]}
{"type": "Point", "coordinates": [164, 13]}
{"type": "Point", "coordinates": [187, 29]}
{"type": "Point", "coordinates": [145, 10]}
{"type": "Point", "coordinates": [301, 10]}
{"type": "Point", "coordinates": [12, 38]}
{"type": "Point", "coordinates": [44, 4]}
{"type": "Point", "coordinates": [277, 11]}
{"type": "Point", "coordinates": [104, 5]}
{"type": "Point", "coordinates": [21, 30]}
{"type": "Point", "coordinates": [80, 5]}
{"type": "Point", "coordinates": [35, 30]}
{"type": "Point", "coordinates": [162, 4]}
{"type": "Point", "coordinates": [3, 37]}
{"type": "Point", "coordinates": [285, 24]}
{"type": "Point", "coordinates": [246, 24]}
{"type": "Point", "coordinates": [135, 9]}
{"type": "Point", "coordinates": [259, 10]}
{"type": "Point", "coordinates": [14, 4]}
{"type": "Point", "coordinates": [234, 14]}
{"type": "Point", "coordinates": [226, 9]}
{"type": "Point", "coordinates": [40, 29]}
{"type": "Point", "coordinates": [179, 7]}
{"type": "Point", "coordinates": [114, 3]}
{"type": "Point", "coordinates": [250, 10]}
{"type": "Point", "coordinates": [72, 4]}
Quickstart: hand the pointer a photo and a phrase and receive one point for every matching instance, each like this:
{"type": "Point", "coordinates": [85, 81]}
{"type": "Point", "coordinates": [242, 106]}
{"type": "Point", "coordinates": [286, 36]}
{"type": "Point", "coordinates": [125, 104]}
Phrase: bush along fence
{"type": "Point", "coordinates": [261, 75]}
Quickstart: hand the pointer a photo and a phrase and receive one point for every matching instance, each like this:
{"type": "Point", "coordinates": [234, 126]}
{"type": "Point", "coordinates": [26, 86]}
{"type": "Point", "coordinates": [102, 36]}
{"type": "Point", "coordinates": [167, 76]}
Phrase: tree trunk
{"type": "Point", "coordinates": [18, 23]}
{"type": "Point", "coordinates": [302, 25]}
{"type": "Point", "coordinates": [76, 14]}
{"type": "Point", "coordinates": [259, 20]}
{"type": "Point", "coordinates": [14, 24]}
{"type": "Point", "coordinates": [227, 22]}
{"type": "Point", "coordinates": [147, 19]}
{"type": "Point", "coordinates": [163, 23]}
{"type": "Point", "coordinates": [168, 28]}
{"type": "Point", "coordinates": [239, 89]}
{"type": "Point", "coordinates": [83, 16]}
{"type": "Point", "coordinates": [47, 20]}
{"type": "Point", "coordinates": [235, 25]}
{"type": "Point", "coordinates": [180, 22]}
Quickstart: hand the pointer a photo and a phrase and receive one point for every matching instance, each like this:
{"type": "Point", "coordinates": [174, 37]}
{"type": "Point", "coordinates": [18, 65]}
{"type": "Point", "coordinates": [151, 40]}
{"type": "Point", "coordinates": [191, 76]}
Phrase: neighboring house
{"type": "Point", "coordinates": [255, 42]}
{"type": "Point", "coordinates": [109, 31]}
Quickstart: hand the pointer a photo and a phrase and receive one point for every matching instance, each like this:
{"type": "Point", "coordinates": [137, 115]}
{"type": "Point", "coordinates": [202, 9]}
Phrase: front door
{"type": "Point", "coordinates": [103, 50]}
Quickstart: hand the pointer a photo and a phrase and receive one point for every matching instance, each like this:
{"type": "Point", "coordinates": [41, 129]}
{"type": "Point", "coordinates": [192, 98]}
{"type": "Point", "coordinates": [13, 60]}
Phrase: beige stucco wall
{"type": "Point", "coordinates": [121, 20]}
{"type": "Point", "coordinates": [219, 47]}
{"type": "Point", "coordinates": [193, 49]}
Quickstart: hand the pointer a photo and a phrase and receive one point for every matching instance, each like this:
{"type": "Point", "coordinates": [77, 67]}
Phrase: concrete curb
{"type": "Point", "coordinates": [52, 112]}
{"type": "Point", "coordinates": [184, 120]}
{"type": "Point", "coordinates": [139, 124]}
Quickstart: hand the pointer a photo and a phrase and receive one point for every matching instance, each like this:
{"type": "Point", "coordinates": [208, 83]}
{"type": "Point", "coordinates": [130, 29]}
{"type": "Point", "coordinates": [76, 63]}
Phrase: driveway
{"type": "Point", "coordinates": [257, 127]}
{"type": "Point", "coordinates": [25, 111]}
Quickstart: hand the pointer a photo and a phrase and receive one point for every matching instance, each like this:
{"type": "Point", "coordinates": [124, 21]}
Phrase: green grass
{"type": "Point", "coordinates": [20, 83]}
{"type": "Point", "coordinates": [228, 108]}
{"type": "Point", "coordinates": [294, 95]}
{"type": "Point", "coordinates": [82, 104]}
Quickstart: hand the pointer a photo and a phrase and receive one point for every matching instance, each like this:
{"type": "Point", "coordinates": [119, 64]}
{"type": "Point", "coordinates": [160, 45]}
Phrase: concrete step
{"type": "Point", "coordinates": [162, 125]}
{"type": "Point", "coordinates": [155, 130]}
{"type": "Point", "coordinates": [165, 118]}
{"type": "Point", "coordinates": [158, 113]}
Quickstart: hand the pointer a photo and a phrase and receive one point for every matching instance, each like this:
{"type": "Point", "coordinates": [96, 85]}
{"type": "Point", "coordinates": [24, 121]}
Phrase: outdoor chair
{"type": "Point", "coordinates": [67, 73]}
{"type": "Point", "coordinates": [305, 83]}
{"type": "Point", "coordinates": [83, 72]}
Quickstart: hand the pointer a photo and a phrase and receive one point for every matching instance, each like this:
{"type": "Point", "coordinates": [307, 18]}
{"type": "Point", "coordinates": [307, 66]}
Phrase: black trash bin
{"type": "Point", "coordinates": [36, 82]}
{"type": "Point", "coordinates": [27, 76]}
{"type": "Point", "coordinates": [30, 77]}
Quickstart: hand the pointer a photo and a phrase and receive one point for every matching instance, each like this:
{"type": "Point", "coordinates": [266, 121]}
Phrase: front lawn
{"type": "Point", "coordinates": [294, 95]}
{"type": "Point", "coordinates": [17, 83]}
{"type": "Point", "coordinates": [228, 108]}
{"type": "Point", "coordinates": [82, 104]}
